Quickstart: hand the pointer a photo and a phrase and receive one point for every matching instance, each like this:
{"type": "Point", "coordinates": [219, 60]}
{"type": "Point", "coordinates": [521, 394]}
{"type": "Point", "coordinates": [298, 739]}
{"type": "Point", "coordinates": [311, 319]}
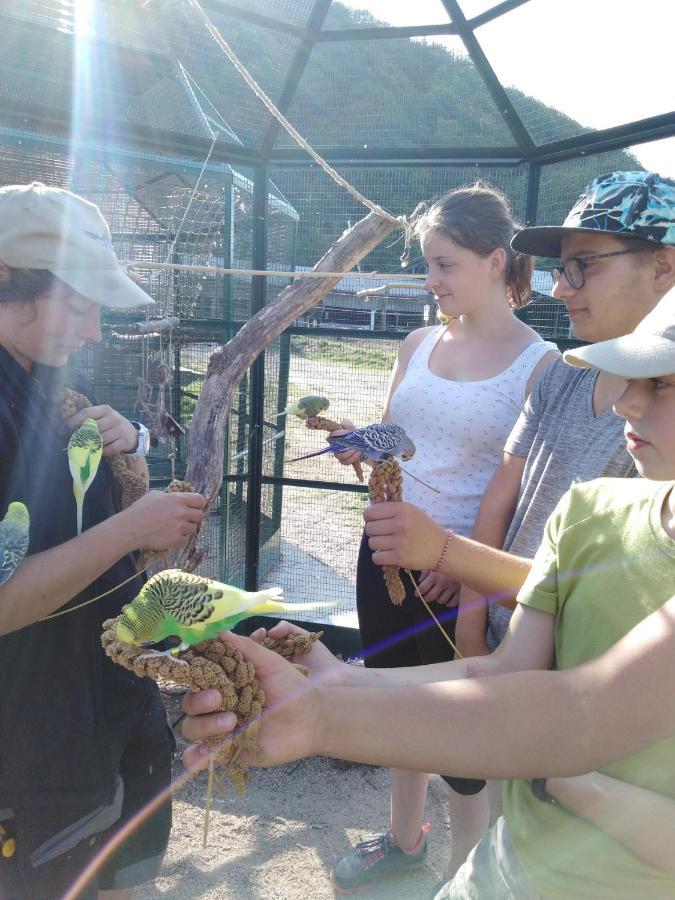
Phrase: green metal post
{"type": "Point", "coordinates": [257, 379]}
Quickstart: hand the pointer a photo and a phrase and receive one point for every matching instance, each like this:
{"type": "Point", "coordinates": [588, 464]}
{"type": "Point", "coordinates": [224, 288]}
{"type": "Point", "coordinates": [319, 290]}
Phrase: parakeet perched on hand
{"type": "Point", "coordinates": [195, 609]}
{"type": "Point", "coordinates": [377, 441]}
{"type": "Point", "coordinates": [85, 449]}
{"type": "Point", "coordinates": [13, 539]}
{"type": "Point", "coordinates": [306, 407]}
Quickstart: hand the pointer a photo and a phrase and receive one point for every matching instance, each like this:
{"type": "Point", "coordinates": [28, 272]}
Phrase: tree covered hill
{"type": "Point", "coordinates": [409, 94]}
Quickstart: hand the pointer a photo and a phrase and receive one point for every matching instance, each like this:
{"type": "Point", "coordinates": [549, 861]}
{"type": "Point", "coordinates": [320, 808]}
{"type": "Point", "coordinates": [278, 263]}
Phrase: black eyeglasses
{"type": "Point", "coordinates": [573, 269]}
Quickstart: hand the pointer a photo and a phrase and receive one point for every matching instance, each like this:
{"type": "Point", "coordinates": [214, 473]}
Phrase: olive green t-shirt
{"type": "Point", "coordinates": [605, 564]}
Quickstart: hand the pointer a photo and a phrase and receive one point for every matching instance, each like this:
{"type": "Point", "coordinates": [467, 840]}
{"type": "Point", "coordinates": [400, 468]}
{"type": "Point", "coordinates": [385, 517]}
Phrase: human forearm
{"type": "Point", "coordinates": [517, 725]}
{"type": "Point", "coordinates": [643, 821]}
{"type": "Point", "coordinates": [360, 677]}
{"type": "Point", "coordinates": [450, 726]}
{"type": "Point", "coordinates": [486, 570]}
{"type": "Point", "coordinates": [402, 535]}
{"type": "Point", "coordinates": [45, 581]}
{"type": "Point", "coordinates": [471, 625]}
{"type": "Point", "coordinates": [474, 729]}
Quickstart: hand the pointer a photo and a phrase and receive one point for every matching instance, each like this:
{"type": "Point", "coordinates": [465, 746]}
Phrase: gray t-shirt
{"type": "Point", "coordinates": [564, 443]}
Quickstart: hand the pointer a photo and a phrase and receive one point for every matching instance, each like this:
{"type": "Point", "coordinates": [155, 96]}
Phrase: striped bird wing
{"type": "Point", "coordinates": [384, 436]}
{"type": "Point", "coordinates": [355, 440]}
{"type": "Point", "coordinates": [12, 557]}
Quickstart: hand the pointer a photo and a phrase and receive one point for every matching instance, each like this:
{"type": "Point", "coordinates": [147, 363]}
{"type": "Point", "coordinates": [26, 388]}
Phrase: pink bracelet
{"type": "Point", "coordinates": [450, 534]}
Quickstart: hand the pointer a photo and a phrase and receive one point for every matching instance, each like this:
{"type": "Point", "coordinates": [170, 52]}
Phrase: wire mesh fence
{"type": "Point", "coordinates": [176, 167]}
{"type": "Point", "coordinates": [308, 525]}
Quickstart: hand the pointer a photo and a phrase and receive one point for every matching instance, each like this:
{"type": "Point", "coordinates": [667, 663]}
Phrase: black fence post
{"type": "Point", "coordinates": [257, 383]}
{"type": "Point", "coordinates": [532, 194]}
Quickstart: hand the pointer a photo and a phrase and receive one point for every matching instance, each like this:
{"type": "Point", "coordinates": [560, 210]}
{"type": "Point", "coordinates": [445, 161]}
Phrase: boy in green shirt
{"type": "Point", "coordinates": [606, 564]}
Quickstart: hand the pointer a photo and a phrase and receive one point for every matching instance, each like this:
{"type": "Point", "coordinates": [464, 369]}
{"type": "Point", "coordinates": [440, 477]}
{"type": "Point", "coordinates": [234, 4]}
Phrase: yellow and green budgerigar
{"type": "Point", "coordinates": [85, 449]}
{"type": "Point", "coordinates": [306, 407]}
{"type": "Point", "coordinates": [14, 534]}
{"type": "Point", "coordinates": [176, 603]}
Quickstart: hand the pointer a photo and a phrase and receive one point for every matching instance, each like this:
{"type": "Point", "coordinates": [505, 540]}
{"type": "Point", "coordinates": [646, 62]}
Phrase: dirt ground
{"type": "Point", "coordinates": [280, 840]}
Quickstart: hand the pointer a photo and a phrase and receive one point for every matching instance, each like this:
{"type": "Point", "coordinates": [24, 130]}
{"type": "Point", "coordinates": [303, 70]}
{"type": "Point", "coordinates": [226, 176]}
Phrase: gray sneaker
{"type": "Point", "coordinates": [374, 859]}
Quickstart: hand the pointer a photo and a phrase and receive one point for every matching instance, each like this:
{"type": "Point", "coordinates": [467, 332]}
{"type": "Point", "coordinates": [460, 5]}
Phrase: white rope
{"type": "Point", "coordinates": [313, 273]}
{"type": "Point", "coordinates": [192, 196]}
{"type": "Point", "coordinates": [383, 288]}
{"type": "Point", "coordinates": [279, 116]}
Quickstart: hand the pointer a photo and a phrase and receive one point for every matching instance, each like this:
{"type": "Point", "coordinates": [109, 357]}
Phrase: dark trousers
{"type": "Point", "coordinates": [394, 637]}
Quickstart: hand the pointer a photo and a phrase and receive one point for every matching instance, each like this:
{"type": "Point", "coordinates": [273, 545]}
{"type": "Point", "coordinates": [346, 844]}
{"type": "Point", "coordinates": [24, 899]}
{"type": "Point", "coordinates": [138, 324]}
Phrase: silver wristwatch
{"type": "Point", "coordinates": [143, 445]}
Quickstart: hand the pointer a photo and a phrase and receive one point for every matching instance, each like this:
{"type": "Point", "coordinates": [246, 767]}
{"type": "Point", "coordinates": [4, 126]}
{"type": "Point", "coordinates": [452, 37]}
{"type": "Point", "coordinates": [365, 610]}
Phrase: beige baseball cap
{"type": "Point", "coordinates": [50, 228]}
{"type": "Point", "coordinates": [648, 352]}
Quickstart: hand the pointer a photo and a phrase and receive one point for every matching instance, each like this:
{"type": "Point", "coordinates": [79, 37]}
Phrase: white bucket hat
{"type": "Point", "coordinates": [50, 228]}
{"type": "Point", "coordinates": [648, 352]}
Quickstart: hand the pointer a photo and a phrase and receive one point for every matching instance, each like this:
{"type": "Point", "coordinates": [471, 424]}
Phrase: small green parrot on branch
{"type": "Point", "coordinates": [195, 609]}
{"type": "Point", "coordinates": [306, 407]}
{"type": "Point", "coordinates": [85, 449]}
{"type": "Point", "coordinates": [14, 533]}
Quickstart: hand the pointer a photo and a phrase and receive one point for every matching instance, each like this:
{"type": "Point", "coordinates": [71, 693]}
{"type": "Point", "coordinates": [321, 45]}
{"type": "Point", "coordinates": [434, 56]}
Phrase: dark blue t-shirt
{"type": "Point", "coordinates": [64, 703]}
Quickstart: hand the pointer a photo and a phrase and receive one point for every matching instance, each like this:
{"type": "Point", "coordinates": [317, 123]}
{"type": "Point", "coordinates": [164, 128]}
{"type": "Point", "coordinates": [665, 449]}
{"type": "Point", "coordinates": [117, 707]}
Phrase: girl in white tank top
{"type": "Point", "coordinates": [459, 429]}
{"type": "Point", "coordinates": [457, 390]}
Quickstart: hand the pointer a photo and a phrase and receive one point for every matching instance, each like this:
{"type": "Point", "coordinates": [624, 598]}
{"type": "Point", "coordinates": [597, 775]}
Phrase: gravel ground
{"type": "Point", "coordinates": [280, 840]}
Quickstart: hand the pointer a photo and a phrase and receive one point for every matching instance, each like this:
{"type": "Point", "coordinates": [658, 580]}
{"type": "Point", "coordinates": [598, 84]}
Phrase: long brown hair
{"type": "Point", "coordinates": [479, 219]}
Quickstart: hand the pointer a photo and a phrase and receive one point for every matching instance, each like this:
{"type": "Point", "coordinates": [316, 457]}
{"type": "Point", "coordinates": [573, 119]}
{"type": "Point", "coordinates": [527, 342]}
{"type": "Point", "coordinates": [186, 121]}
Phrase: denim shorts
{"type": "Point", "coordinates": [492, 871]}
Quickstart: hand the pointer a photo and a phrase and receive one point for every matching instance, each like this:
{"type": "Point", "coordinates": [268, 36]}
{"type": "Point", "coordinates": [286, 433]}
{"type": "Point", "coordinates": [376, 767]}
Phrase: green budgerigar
{"type": "Point", "coordinates": [175, 603]}
{"type": "Point", "coordinates": [14, 533]}
{"type": "Point", "coordinates": [85, 449]}
{"type": "Point", "coordinates": [306, 407]}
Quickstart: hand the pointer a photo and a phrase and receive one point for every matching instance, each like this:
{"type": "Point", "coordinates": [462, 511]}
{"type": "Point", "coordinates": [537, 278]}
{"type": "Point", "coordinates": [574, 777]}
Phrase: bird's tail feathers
{"type": "Point", "coordinates": [274, 607]}
{"type": "Point", "coordinates": [79, 501]}
{"type": "Point", "coordinates": [249, 602]}
{"type": "Point", "coordinates": [273, 593]}
{"type": "Point", "coordinates": [330, 449]}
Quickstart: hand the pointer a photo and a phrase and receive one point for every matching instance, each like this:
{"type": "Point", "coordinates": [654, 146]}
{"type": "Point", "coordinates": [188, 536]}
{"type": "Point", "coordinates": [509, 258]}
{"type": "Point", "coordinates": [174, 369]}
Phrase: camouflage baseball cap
{"type": "Point", "coordinates": [625, 204]}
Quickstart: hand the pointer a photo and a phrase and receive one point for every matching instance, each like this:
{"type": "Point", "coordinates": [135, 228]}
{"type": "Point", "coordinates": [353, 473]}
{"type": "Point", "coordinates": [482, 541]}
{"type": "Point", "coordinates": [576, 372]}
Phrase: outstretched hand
{"type": "Point", "coordinates": [400, 534]}
{"type": "Point", "coordinates": [322, 665]}
{"type": "Point", "coordinates": [289, 719]}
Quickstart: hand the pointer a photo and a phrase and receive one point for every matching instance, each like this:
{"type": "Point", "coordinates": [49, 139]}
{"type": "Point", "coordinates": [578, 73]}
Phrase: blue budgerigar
{"type": "Point", "coordinates": [14, 532]}
{"type": "Point", "coordinates": [378, 442]}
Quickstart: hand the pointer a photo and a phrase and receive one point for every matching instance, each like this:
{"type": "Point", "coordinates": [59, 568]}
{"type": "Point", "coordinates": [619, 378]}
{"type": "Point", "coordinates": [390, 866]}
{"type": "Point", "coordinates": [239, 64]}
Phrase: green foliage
{"type": "Point", "coordinates": [411, 93]}
{"type": "Point", "coordinates": [338, 350]}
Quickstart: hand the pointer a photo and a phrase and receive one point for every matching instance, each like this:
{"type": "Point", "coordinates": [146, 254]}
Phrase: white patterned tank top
{"type": "Point", "coordinates": [459, 429]}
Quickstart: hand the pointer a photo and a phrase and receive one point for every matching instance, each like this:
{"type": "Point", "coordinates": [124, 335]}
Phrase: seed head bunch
{"type": "Point", "coordinates": [386, 483]}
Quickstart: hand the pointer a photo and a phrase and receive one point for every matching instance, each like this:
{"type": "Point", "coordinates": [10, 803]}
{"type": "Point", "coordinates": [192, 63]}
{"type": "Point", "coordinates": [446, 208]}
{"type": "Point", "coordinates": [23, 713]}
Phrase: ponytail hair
{"type": "Point", "coordinates": [479, 219]}
{"type": "Point", "coordinates": [519, 277]}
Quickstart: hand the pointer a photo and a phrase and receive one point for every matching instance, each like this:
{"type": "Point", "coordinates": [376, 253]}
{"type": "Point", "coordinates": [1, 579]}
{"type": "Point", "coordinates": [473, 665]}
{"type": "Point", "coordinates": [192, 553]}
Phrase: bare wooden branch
{"type": "Point", "coordinates": [155, 326]}
{"type": "Point", "coordinates": [229, 363]}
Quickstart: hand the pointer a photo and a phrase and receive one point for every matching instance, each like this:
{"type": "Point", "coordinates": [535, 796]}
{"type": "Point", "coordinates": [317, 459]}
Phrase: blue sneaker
{"type": "Point", "coordinates": [372, 860]}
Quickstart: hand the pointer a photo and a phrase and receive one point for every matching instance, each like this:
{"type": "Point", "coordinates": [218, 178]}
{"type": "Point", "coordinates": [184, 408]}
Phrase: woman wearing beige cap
{"type": "Point", "coordinates": [598, 607]}
{"type": "Point", "coordinates": [84, 745]}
